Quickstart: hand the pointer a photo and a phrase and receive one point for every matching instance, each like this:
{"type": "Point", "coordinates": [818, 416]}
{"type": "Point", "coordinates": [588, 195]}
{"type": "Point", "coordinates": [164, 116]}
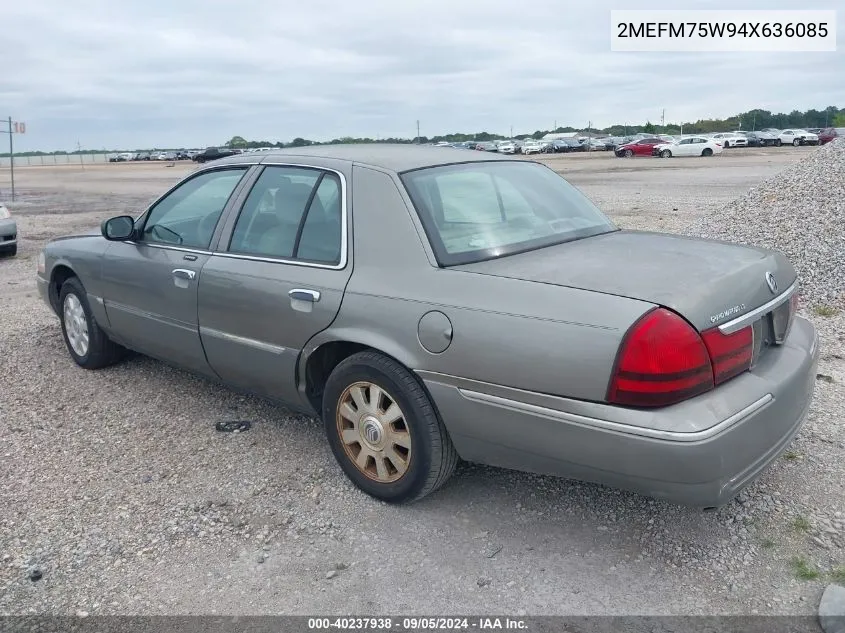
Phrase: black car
{"type": "Point", "coordinates": [761, 138]}
{"type": "Point", "coordinates": [213, 153]}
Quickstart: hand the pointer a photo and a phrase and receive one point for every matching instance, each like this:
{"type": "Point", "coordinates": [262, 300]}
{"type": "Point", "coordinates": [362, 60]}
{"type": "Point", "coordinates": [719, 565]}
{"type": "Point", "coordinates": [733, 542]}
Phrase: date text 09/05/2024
{"type": "Point", "coordinates": [417, 623]}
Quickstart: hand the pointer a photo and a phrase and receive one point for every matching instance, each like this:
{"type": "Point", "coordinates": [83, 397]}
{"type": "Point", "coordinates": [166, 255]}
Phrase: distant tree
{"type": "Point", "coordinates": [300, 142]}
{"type": "Point", "coordinates": [838, 120]}
{"type": "Point", "coordinates": [649, 128]}
{"type": "Point", "coordinates": [237, 141]}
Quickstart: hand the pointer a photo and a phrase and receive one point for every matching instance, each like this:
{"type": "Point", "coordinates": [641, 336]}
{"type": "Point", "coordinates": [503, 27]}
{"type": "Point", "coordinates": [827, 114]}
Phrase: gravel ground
{"type": "Point", "coordinates": [800, 211]}
{"type": "Point", "coordinates": [119, 497]}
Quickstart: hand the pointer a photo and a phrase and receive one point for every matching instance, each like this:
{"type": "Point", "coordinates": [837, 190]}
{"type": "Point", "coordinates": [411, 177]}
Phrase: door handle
{"type": "Point", "coordinates": [303, 294]}
{"type": "Point", "coordinates": [183, 273]}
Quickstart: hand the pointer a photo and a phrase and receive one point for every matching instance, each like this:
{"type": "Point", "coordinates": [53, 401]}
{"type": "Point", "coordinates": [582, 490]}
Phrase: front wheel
{"type": "Point", "coordinates": [796, 142]}
{"type": "Point", "coordinates": [778, 143]}
{"type": "Point", "coordinates": [384, 431]}
{"type": "Point", "coordinates": [665, 154]}
{"type": "Point", "coordinates": [88, 345]}
{"type": "Point", "coordinates": [628, 153]}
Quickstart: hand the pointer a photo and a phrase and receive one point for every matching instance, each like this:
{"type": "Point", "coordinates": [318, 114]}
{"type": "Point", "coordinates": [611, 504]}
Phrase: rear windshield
{"type": "Point", "coordinates": [481, 210]}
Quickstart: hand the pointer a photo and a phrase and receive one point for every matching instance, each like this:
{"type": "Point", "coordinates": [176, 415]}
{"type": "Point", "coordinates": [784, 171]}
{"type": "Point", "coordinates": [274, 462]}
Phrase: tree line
{"type": "Point", "coordinates": [756, 119]}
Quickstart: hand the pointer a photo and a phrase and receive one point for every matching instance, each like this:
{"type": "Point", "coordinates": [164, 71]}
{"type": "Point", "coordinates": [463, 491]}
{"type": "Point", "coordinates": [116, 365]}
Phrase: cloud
{"type": "Point", "coordinates": [194, 73]}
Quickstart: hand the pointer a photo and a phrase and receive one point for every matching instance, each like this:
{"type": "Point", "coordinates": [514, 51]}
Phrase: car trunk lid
{"type": "Point", "coordinates": [709, 283]}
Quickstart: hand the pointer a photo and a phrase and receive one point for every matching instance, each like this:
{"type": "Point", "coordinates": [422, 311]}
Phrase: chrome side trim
{"type": "Point", "coordinates": [149, 315]}
{"type": "Point", "coordinates": [278, 260]}
{"type": "Point", "coordinates": [242, 340]}
{"type": "Point", "coordinates": [95, 298]}
{"type": "Point", "coordinates": [740, 322]}
{"type": "Point", "coordinates": [165, 247]}
{"type": "Point", "coordinates": [605, 425]}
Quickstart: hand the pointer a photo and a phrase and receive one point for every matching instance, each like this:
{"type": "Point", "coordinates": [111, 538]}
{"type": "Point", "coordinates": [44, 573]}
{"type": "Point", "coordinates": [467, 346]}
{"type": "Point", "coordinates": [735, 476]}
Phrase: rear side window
{"type": "Point", "coordinates": [291, 213]}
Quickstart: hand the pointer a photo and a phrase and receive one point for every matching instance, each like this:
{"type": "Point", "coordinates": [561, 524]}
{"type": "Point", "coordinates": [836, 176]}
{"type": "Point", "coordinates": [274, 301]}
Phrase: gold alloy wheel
{"type": "Point", "coordinates": [373, 431]}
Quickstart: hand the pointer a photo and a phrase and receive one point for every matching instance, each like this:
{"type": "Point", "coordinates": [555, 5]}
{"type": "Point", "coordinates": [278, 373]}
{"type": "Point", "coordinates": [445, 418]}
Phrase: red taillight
{"type": "Point", "coordinates": [663, 360]}
{"type": "Point", "coordinates": [730, 353]}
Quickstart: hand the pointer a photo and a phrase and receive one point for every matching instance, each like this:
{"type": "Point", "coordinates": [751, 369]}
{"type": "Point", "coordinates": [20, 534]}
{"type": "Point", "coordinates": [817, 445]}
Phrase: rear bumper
{"type": "Point", "coordinates": [700, 453]}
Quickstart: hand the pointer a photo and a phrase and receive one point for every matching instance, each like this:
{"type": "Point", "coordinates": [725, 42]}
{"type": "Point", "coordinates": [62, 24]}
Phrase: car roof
{"type": "Point", "coordinates": [395, 157]}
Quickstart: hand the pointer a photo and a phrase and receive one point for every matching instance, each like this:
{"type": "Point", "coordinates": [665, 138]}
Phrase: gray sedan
{"type": "Point", "coordinates": [432, 307]}
{"type": "Point", "coordinates": [8, 232]}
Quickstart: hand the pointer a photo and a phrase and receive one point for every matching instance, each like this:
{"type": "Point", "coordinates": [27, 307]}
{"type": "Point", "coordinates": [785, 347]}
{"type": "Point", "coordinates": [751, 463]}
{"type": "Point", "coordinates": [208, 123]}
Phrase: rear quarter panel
{"type": "Point", "coordinates": [509, 332]}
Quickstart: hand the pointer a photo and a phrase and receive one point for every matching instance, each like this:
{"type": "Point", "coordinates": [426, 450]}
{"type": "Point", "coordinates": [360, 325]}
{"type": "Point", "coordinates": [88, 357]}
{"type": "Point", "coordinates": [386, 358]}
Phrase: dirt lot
{"type": "Point", "coordinates": [115, 486]}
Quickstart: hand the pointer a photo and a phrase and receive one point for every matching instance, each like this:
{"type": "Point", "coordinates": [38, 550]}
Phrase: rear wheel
{"type": "Point", "coordinates": [384, 431]}
{"type": "Point", "coordinates": [707, 152]}
{"type": "Point", "coordinates": [88, 345]}
{"type": "Point", "coordinates": [665, 154]}
{"type": "Point", "coordinates": [778, 143]}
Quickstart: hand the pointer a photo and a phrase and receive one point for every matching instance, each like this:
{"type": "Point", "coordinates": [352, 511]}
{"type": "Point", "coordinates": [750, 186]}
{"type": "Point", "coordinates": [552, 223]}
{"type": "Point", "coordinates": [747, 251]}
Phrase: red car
{"type": "Point", "coordinates": [827, 134]}
{"type": "Point", "coordinates": [641, 147]}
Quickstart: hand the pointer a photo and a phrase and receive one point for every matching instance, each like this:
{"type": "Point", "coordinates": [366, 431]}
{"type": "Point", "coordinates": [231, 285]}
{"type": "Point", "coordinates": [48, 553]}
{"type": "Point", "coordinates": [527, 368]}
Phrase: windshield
{"type": "Point", "coordinates": [477, 211]}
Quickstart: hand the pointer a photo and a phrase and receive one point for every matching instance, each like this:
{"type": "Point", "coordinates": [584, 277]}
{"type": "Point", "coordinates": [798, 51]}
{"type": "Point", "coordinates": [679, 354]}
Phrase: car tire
{"type": "Point", "coordinates": [364, 427]}
{"type": "Point", "coordinates": [665, 154]}
{"type": "Point", "coordinates": [9, 252]}
{"type": "Point", "coordinates": [796, 142]}
{"type": "Point", "coordinates": [778, 143]}
{"type": "Point", "coordinates": [628, 153]}
{"type": "Point", "coordinates": [90, 347]}
{"type": "Point", "coordinates": [707, 152]}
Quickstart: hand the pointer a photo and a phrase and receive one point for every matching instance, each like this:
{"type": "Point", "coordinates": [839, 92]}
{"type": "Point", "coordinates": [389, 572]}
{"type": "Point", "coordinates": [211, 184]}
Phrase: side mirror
{"type": "Point", "coordinates": [118, 229]}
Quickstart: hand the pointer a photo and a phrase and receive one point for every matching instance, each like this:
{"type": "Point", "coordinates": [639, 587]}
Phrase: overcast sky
{"type": "Point", "coordinates": [191, 73]}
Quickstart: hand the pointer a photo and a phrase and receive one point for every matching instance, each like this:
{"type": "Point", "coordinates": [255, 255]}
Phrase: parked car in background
{"type": "Point", "coordinates": [761, 139]}
{"type": "Point", "coordinates": [640, 147]}
{"type": "Point", "coordinates": [826, 135]}
{"type": "Point", "coordinates": [509, 147]}
{"type": "Point", "coordinates": [612, 142]}
{"type": "Point", "coordinates": [593, 144]}
{"type": "Point", "coordinates": [731, 139]}
{"type": "Point", "coordinates": [530, 146]}
{"type": "Point", "coordinates": [688, 146]}
{"type": "Point", "coordinates": [797, 137]}
{"type": "Point", "coordinates": [486, 146]}
{"type": "Point", "coordinates": [141, 156]}
{"type": "Point", "coordinates": [526, 330]}
{"type": "Point", "coordinates": [8, 232]}
{"type": "Point", "coordinates": [213, 153]}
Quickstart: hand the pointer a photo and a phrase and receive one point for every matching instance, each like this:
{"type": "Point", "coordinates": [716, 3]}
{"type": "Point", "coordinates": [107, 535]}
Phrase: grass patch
{"type": "Point", "coordinates": [804, 570]}
{"type": "Point", "coordinates": [825, 311]}
{"type": "Point", "coordinates": [791, 455]}
{"type": "Point", "coordinates": [838, 575]}
{"type": "Point", "coordinates": [801, 524]}
{"type": "Point", "coordinates": [768, 543]}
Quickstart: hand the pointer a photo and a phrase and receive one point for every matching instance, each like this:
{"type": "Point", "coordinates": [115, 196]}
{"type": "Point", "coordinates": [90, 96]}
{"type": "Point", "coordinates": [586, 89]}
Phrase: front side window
{"type": "Point", "coordinates": [188, 215]}
{"type": "Point", "coordinates": [291, 213]}
{"type": "Point", "coordinates": [477, 211]}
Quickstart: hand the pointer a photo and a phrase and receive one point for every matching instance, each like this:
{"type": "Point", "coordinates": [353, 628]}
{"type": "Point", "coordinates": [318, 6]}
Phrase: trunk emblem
{"type": "Point", "coordinates": [772, 283]}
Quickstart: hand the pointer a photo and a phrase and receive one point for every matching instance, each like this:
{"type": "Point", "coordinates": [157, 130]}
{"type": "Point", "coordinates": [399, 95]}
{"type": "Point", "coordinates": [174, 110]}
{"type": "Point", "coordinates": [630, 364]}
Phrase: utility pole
{"type": "Point", "coordinates": [663, 120]}
{"type": "Point", "coordinates": [417, 141]}
{"type": "Point", "coordinates": [79, 150]}
{"type": "Point", "coordinates": [511, 131]}
{"type": "Point", "coordinates": [11, 159]}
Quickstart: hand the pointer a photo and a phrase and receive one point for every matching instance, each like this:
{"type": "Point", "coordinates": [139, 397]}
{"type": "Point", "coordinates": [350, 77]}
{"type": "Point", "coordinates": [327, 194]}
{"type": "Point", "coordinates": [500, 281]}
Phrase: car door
{"type": "Point", "coordinates": [277, 279]}
{"type": "Point", "coordinates": [150, 283]}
